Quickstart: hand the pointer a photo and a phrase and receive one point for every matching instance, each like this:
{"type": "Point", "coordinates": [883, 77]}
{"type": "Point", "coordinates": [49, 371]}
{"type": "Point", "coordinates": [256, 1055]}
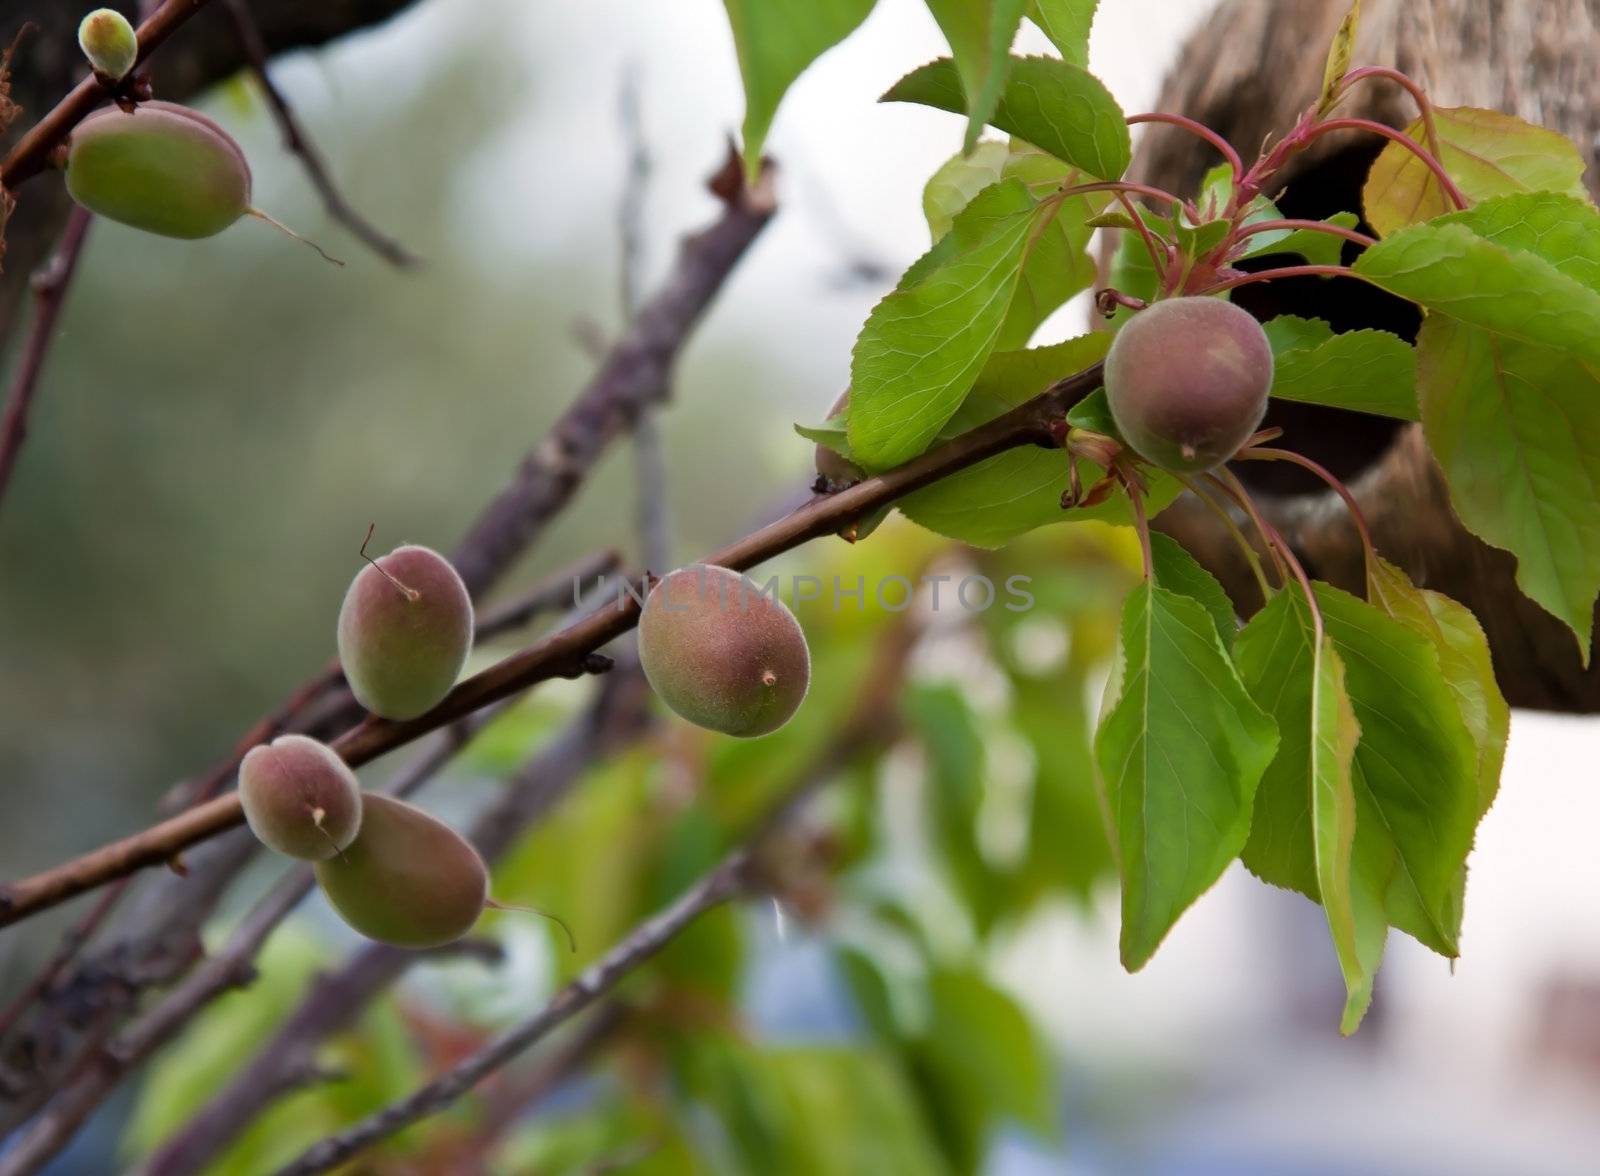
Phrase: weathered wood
{"type": "Point", "coordinates": [1249, 72]}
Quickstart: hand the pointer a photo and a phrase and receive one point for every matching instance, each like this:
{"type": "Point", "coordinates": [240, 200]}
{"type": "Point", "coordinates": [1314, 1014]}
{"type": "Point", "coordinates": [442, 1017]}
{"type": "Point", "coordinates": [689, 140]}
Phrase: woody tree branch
{"type": "Point", "coordinates": [158, 934]}
{"type": "Point", "coordinates": [563, 653]}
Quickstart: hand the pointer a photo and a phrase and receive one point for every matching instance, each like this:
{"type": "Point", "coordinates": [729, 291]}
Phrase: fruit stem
{"type": "Point", "coordinates": [1314, 226]}
{"type": "Point", "coordinates": [1262, 453]}
{"type": "Point", "coordinates": [290, 233]}
{"type": "Point", "coordinates": [1250, 555]}
{"type": "Point", "coordinates": [1199, 130]}
{"type": "Point", "coordinates": [1158, 257]}
{"type": "Point", "coordinates": [1141, 521]}
{"type": "Point", "coordinates": [1228, 482]}
{"type": "Point", "coordinates": [1418, 95]}
{"type": "Point", "coordinates": [405, 590]}
{"type": "Point", "coordinates": [572, 940]}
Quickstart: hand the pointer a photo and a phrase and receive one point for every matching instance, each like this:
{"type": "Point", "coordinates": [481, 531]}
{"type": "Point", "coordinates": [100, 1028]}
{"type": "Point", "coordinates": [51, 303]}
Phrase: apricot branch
{"type": "Point", "coordinates": [300, 144]}
{"type": "Point", "coordinates": [565, 652]}
{"type": "Point", "coordinates": [31, 155]}
{"type": "Point", "coordinates": [159, 938]}
{"type": "Point", "coordinates": [614, 721]}
{"type": "Point", "coordinates": [50, 293]}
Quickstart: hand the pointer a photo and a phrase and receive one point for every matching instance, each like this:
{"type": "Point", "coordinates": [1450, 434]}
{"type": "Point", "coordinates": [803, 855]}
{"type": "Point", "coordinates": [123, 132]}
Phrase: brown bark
{"type": "Point", "coordinates": [1249, 72]}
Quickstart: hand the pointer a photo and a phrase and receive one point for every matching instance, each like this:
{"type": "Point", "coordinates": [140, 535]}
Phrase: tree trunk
{"type": "Point", "coordinates": [1249, 73]}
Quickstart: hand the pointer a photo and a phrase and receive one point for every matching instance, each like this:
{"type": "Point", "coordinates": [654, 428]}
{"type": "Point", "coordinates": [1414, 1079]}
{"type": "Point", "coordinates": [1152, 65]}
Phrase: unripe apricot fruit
{"type": "Point", "coordinates": [1187, 380]}
{"type": "Point", "coordinates": [109, 42]}
{"type": "Point", "coordinates": [299, 797]}
{"type": "Point", "coordinates": [722, 654]}
{"type": "Point", "coordinates": [161, 167]}
{"type": "Point", "coordinates": [407, 879]}
{"type": "Point", "coordinates": [405, 630]}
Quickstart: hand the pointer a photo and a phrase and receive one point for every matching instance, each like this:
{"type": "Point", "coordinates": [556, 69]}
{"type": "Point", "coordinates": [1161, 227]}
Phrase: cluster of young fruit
{"type": "Point", "coordinates": [718, 652]}
{"type": "Point", "coordinates": [390, 870]}
{"type": "Point", "coordinates": [156, 166]}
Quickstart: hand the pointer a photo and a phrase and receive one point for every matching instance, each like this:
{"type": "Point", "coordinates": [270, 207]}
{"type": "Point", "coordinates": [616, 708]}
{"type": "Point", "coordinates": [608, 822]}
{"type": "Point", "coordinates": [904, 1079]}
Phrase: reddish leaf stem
{"type": "Point", "coordinates": [1261, 453]}
{"type": "Point", "coordinates": [1315, 226]}
{"type": "Point", "coordinates": [1428, 158]}
{"type": "Point", "coordinates": [1200, 130]}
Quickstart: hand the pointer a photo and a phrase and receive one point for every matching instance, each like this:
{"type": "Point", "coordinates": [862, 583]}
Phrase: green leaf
{"type": "Point", "coordinates": [986, 1054]}
{"type": "Point", "coordinates": [1416, 765]}
{"type": "Point", "coordinates": [1413, 779]}
{"type": "Point", "coordinates": [769, 1101]}
{"type": "Point", "coordinates": [1363, 371]}
{"type": "Point", "coordinates": [1516, 429]}
{"type": "Point", "coordinates": [1180, 572]}
{"type": "Point", "coordinates": [1058, 264]}
{"type": "Point", "coordinates": [1133, 272]}
{"type": "Point", "coordinates": [1463, 656]}
{"type": "Point", "coordinates": [1452, 271]}
{"type": "Point", "coordinates": [1059, 108]}
{"type": "Point", "coordinates": [958, 180]}
{"type": "Point", "coordinates": [1563, 230]}
{"type": "Point", "coordinates": [1093, 413]}
{"type": "Point", "coordinates": [1014, 492]}
{"type": "Point", "coordinates": [1316, 247]}
{"type": "Point", "coordinates": [1067, 23]}
{"type": "Point", "coordinates": [1339, 53]}
{"type": "Point", "coordinates": [924, 345]}
{"type": "Point", "coordinates": [1304, 829]}
{"type": "Point", "coordinates": [980, 33]}
{"type": "Point", "coordinates": [952, 740]}
{"type": "Point", "coordinates": [776, 40]}
{"type": "Point", "coordinates": [1486, 153]}
{"type": "Point", "coordinates": [1181, 749]}
{"type": "Point", "coordinates": [1290, 332]}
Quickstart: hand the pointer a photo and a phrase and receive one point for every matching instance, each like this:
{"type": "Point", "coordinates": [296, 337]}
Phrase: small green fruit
{"type": "Point", "coordinates": [722, 654]}
{"type": "Point", "coordinates": [109, 42]}
{"type": "Point", "coordinates": [407, 879]}
{"type": "Point", "coordinates": [299, 797]}
{"type": "Point", "coordinates": [162, 168]}
{"type": "Point", "coordinates": [405, 630]}
{"type": "Point", "coordinates": [1187, 380]}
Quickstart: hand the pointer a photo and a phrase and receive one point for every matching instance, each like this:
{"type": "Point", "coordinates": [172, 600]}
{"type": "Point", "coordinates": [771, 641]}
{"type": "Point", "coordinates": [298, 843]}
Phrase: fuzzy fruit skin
{"type": "Point", "coordinates": [721, 654]}
{"type": "Point", "coordinates": [401, 656]}
{"type": "Point", "coordinates": [1187, 380]}
{"type": "Point", "coordinates": [407, 879]}
{"type": "Point", "coordinates": [163, 168]}
{"type": "Point", "coordinates": [837, 472]}
{"type": "Point", "coordinates": [284, 783]}
{"type": "Point", "coordinates": [109, 42]}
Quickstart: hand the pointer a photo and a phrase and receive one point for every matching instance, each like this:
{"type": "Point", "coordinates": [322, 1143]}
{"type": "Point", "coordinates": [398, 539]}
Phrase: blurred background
{"type": "Point", "coordinates": [221, 420]}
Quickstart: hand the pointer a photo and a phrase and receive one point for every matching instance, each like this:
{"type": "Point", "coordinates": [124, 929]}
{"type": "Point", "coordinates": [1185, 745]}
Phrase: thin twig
{"type": "Point", "coordinates": [649, 455]}
{"type": "Point", "coordinates": [723, 883]}
{"type": "Point", "coordinates": [299, 142]}
{"type": "Point", "coordinates": [71, 942]}
{"type": "Point", "coordinates": [49, 295]}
